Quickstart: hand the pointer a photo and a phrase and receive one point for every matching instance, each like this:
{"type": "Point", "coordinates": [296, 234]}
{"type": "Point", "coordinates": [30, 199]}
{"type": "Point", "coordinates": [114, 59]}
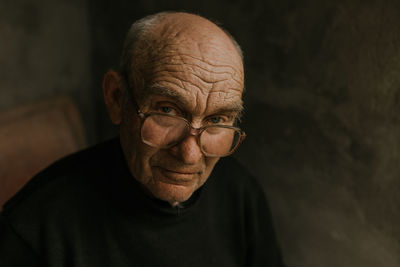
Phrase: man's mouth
{"type": "Point", "coordinates": [179, 176]}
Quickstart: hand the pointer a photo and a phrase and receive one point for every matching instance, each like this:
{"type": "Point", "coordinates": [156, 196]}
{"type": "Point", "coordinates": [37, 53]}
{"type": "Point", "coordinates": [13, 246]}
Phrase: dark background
{"type": "Point", "coordinates": [322, 105]}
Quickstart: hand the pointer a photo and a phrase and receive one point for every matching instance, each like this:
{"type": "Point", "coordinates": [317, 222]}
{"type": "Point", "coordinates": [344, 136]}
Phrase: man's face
{"type": "Point", "coordinates": [202, 85]}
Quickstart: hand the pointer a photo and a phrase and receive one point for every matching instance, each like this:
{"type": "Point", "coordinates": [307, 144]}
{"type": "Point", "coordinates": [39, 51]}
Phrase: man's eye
{"type": "Point", "coordinates": [217, 120]}
{"type": "Point", "coordinates": [222, 119]}
{"type": "Point", "coordinates": [168, 110]}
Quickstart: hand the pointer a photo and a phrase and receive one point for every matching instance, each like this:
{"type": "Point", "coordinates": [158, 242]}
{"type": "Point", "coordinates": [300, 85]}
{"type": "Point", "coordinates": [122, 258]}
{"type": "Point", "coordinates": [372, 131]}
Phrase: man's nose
{"type": "Point", "coordinates": [188, 150]}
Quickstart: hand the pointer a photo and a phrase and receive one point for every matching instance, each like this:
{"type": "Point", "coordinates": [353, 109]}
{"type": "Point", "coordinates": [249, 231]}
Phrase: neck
{"type": "Point", "coordinates": [176, 204]}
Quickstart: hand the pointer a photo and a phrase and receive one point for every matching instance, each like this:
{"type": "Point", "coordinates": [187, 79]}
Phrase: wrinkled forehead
{"type": "Point", "coordinates": [194, 62]}
{"type": "Point", "coordinates": [181, 38]}
{"type": "Point", "coordinates": [203, 39]}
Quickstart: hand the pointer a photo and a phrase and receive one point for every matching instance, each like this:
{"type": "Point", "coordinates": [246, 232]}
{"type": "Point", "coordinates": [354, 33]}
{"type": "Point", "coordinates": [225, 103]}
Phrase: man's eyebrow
{"type": "Point", "coordinates": [164, 91]}
{"type": "Point", "coordinates": [233, 108]}
{"type": "Point", "coordinates": [236, 107]}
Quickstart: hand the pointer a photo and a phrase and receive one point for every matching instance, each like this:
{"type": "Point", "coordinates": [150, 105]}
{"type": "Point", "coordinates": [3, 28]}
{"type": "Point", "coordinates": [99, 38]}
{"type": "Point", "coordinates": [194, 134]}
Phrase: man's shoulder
{"type": "Point", "coordinates": [233, 169]}
{"type": "Point", "coordinates": [235, 177]}
{"type": "Point", "coordinates": [71, 173]}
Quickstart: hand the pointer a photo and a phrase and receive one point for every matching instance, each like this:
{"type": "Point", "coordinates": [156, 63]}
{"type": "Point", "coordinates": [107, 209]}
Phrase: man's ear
{"type": "Point", "coordinates": [113, 95]}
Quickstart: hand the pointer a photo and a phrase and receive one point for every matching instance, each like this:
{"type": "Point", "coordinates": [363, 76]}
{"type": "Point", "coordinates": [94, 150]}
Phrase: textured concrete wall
{"type": "Point", "coordinates": [322, 101]}
{"type": "Point", "coordinates": [326, 86]}
{"type": "Point", "coordinates": [45, 51]}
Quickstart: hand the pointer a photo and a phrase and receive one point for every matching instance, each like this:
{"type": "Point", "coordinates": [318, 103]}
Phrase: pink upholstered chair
{"type": "Point", "coordinates": [34, 136]}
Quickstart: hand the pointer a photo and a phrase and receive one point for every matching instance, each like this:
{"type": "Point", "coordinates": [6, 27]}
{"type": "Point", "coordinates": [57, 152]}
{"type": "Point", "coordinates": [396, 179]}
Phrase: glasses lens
{"type": "Point", "coordinates": [219, 141]}
{"type": "Point", "coordinates": [163, 131]}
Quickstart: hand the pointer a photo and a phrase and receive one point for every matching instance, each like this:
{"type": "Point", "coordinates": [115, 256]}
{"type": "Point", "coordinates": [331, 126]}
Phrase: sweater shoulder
{"type": "Point", "coordinates": [232, 181]}
{"type": "Point", "coordinates": [231, 172]}
{"type": "Point", "coordinates": [61, 177]}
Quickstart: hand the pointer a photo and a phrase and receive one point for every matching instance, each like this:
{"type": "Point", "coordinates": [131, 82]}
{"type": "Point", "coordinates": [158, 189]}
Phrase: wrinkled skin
{"type": "Point", "coordinates": [201, 76]}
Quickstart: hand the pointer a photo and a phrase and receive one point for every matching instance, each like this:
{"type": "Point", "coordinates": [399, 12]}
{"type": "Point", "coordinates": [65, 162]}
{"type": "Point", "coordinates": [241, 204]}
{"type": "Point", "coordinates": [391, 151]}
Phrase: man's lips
{"type": "Point", "coordinates": [177, 176]}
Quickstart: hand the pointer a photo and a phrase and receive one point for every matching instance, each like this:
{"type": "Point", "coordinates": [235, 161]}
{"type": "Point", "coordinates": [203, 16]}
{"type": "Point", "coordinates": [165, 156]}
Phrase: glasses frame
{"type": "Point", "coordinates": [192, 131]}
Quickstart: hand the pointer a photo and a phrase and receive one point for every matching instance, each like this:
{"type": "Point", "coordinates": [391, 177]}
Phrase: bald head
{"type": "Point", "coordinates": [168, 36]}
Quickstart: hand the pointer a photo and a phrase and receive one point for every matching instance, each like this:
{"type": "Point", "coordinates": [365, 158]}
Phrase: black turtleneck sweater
{"type": "Point", "coordinates": [86, 210]}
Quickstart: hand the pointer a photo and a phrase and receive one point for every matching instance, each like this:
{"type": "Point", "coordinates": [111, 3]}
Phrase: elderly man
{"type": "Point", "coordinates": [154, 196]}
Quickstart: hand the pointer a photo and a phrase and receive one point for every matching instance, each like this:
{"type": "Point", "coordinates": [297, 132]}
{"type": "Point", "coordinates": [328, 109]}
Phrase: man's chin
{"type": "Point", "coordinates": [172, 193]}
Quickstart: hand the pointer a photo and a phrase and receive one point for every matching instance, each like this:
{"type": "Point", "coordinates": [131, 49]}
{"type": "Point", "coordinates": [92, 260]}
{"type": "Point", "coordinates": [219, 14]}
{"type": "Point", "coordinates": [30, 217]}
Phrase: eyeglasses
{"type": "Point", "coordinates": [163, 131]}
